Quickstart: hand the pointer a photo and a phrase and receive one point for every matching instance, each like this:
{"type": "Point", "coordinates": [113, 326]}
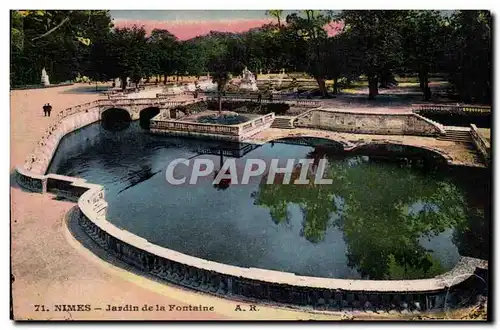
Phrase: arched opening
{"type": "Point", "coordinates": [173, 113]}
{"type": "Point", "coordinates": [310, 141]}
{"type": "Point", "coordinates": [410, 155]}
{"type": "Point", "coordinates": [115, 119]}
{"type": "Point", "coordinates": [145, 116]}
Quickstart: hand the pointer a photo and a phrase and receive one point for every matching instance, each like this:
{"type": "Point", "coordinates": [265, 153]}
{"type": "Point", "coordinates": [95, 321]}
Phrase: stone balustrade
{"type": "Point", "coordinates": [451, 108]}
{"type": "Point", "coordinates": [296, 102]}
{"type": "Point", "coordinates": [480, 143]}
{"type": "Point", "coordinates": [165, 126]}
{"type": "Point", "coordinates": [252, 127]}
{"type": "Point", "coordinates": [191, 127]}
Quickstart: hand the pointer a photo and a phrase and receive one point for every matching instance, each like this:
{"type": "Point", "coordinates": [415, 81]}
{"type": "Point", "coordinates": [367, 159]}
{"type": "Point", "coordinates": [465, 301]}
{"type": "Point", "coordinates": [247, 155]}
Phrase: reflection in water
{"type": "Point", "coordinates": [379, 219]}
{"type": "Point", "coordinates": [384, 213]}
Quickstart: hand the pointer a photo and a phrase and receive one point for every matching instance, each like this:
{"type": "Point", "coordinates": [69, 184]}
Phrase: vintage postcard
{"type": "Point", "coordinates": [250, 164]}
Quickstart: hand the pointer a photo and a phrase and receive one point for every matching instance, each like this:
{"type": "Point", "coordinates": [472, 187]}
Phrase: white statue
{"type": "Point", "coordinates": [45, 78]}
{"type": "Point", "coordinates": [248, 82]}
{"type": "Point", "coordinates": [248, 76]}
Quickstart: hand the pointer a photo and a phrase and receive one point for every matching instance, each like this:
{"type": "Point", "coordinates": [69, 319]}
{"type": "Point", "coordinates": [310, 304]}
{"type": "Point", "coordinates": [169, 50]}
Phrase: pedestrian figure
{"type": "Point", "coordinates": [45, 109]}
{"type": "Point", "coordinates": [49, 109]}
{"type": "Point", "coordinates": [156, 81]}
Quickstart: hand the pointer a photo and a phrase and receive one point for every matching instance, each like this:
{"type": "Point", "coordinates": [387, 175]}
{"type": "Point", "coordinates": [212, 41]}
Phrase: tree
{"type": "Point", "coordinates": [276, 14]}
{"type": "Point", "coordinates": [424, 38]}
{"type": "Point", "coordinates": [468, 57]}
{"type": "Point", "coordinates": [164, 50]}
{"type": "Point", "coordinates": [377, 36]}
{"type": "Point", "coordinates": [58, 40]}
{"type": "Point", "coordinates": [125, 50]}
{"type": "Point", "coordinates": [311, 36]}
{"type": "Point", "coordinates": [220, 76]}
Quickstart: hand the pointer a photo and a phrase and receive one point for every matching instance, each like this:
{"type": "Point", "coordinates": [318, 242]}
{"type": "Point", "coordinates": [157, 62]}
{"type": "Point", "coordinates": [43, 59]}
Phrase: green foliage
{"type": "Point", "coordinates": [382, 230]}
{"type": "Point", "coordinates": [57, 40]}
{"type": "Point", "coordinates": [374, 43]}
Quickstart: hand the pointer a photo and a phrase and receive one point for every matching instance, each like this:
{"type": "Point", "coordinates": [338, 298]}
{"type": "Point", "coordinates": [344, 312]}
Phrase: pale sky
{"type": "Point", "coordinates": [188, 15]}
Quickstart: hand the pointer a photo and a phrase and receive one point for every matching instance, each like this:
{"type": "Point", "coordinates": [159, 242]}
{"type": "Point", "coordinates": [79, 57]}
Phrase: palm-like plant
{"type": "Point", "coordinates": [221, 77]}
{"type": "Point", "coordinates": [276, 14]}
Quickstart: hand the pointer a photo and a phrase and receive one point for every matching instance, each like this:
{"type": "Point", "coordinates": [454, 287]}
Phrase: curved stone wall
{"type": "Point", "coordinates": [222, 279]}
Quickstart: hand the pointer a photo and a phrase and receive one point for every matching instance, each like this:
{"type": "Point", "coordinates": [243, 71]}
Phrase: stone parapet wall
{"type": "Point", "coordinates": [480, 143]}
{"type": "Point", "coordinates": [221, 279]}
{"type": "Point", "coordinates": [368, 123]}
{"type": "Point", "coordinates": [266, 285]}
{"type": "Point", "coordinates": [41, 157]}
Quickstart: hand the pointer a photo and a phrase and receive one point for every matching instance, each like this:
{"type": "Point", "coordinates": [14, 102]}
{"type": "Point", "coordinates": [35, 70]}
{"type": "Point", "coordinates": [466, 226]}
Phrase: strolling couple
{"type": "Point", "coordinates": [47, 108]}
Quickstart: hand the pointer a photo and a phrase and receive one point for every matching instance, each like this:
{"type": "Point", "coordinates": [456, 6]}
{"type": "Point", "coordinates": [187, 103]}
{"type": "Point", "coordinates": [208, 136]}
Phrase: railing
{"type": "Point", "coordinates": [452, 108]}
{"type": "Point", "coordinates": [298, 103]}
{"type": "Point", "coordinates": [194, 127]}
{"type": "Point", "coordinates": [480, 143]}
{"type": "Point", "coordinates": [256, 123]}
{"type": "Point", "coordinates": [141, 101]}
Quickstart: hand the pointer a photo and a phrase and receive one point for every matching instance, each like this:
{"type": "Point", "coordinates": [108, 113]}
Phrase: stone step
{"type": "Point", "coordinates": [465, 140]}
{"type": "Point", "coordinates": [455, 133]}
{"type": "Point", "coordinates": [284, 123]}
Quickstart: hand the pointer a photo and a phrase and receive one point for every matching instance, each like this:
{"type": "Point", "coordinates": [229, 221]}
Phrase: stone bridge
{"type": "Point", "coordinates": [453, 153]}
{"type": "Point", "coordinates": [134, 107]}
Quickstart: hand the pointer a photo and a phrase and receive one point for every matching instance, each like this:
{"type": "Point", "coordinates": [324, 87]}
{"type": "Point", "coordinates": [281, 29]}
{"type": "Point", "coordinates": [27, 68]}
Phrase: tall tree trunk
{"type": "Point", "coordinates": [322, 86]}
{"type": "Point", "coordinates": [165, 78]}
{"type": "Point", "coordinates": [427, 90]}
{"type": "Point", "coordinates": [124, 82]}
{"type": "Point", "coordinates": [220, 103]}
{"type": "Point", "coordinates": [384, 80]}
{"type": "Point", "coordinates": [372, 86]}
{"type": "Point", "coordinates": [335, 85]}
{"type": "Point", "coordinates": [421, 79]}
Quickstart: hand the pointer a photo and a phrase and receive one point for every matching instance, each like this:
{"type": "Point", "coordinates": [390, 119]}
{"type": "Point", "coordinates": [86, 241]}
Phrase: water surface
{"type": "Point", "coordinates": [379, 219]}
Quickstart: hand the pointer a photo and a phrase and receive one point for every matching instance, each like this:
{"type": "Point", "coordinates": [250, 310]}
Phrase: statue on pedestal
{"type": "Point", "coordinates": [248, 81]}
{"type": "Point", "coordinates": [45, 78]}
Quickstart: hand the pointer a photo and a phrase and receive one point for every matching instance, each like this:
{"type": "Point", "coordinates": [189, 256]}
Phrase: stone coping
{"type": "Point", "coordinates": [92, 204]}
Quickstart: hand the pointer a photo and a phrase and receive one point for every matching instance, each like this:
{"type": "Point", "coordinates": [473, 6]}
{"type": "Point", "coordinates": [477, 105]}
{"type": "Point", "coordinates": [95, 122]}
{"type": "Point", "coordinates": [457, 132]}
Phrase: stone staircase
{"type": "Point", "coordinates": [282, 122]}
{"type": "Point", "coordinates": [461, 135]}
{"type": "Point", "coordinates": [456, 134]}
